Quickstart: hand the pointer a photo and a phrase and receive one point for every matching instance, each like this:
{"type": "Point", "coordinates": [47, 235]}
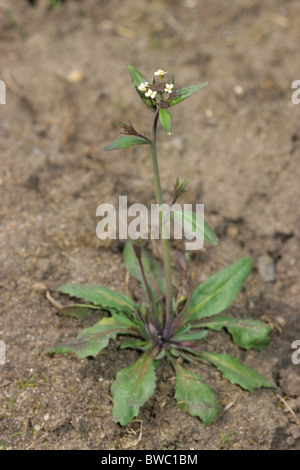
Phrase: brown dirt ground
{"type": "Point", "coordinates": [238, 143]}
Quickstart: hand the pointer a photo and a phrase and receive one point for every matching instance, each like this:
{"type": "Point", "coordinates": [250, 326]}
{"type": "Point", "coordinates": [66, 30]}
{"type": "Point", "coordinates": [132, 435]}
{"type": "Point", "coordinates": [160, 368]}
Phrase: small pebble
{"type": "Point", "coordinates": [232, 231]}
{"type": "Point", "coordinates": [239, 90]}
{"type": "Point", "coordinates": [74, 76]}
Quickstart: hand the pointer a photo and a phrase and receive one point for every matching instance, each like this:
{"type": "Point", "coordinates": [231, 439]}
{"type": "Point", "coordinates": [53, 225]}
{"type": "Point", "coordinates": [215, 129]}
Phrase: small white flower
{"type": "Point", "coordinates": [168, 87]}
{"type": "Point", "coordinates": [143, 86]}
{"type": "Point", "coordinates": [160, 73]}
{"type": "Point", "coordinates": [151, 93]}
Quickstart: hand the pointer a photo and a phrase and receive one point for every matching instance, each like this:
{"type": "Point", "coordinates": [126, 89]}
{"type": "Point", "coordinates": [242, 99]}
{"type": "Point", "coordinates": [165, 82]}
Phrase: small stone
{"type": "Point", "coordinates": [209, 113]}
{"type": "Point", "coordinates": [39, 287]}
{"type": "Point", "coordinates": [239, 90]}
{"type": "Point", "coordinates": [232, 231]}
{"type": "Point", "coordinates": [74, 76]}
{"type": "Point", "coordinates": [266, 268]}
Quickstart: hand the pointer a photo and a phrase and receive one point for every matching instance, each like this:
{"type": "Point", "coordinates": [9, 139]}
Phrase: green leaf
{"type": "Point", "coordinates": [166, 121]}
{"type": "Point", "coordinates": [194, 225]}
{"type": "Point", "coordinates": [184, 93]}
{"type": "Point", "coordinates": [99, 295]}
{"type": "Point", "coordinates": [123, 318]}
{"type": "Point", "coordinates": [133, 386]}
{"type": "Point", "coordinates": [78, 311]}
{"type": "Point", "coordinates": [246, 333]}
{"type": "Point", "coordinates": [179, 188]}
{"type": "Point", "coordinates": [216, 293]}
{"type": "Point", "coordinates": [138, 78]}
{"type": "Point", "coordinates": [194, 396]}
{"type": "Point", "coordinates": [133, 344]}
{"type": "Point", "coordinates": [126, 141]}
{"type": "Point", "coordinates": [236, 372]}
{"type": "Point", "coordinates": [90, 341]}
{"type": "Point", "coordinates": [182, 335]}
{"type": "Point", "coordinates": [153, 270]}
{"type": "Point", "coordinates": [175, 352]}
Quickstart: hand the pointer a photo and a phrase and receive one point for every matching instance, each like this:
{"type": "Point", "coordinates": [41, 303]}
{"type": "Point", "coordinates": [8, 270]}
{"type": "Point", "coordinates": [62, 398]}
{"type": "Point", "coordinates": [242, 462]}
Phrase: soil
{"type": "Point", "coordinates": [237, 141]}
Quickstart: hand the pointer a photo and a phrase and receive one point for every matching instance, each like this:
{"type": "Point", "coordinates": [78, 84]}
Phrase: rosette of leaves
{"type": "Point", "coordinates": [141, 328]}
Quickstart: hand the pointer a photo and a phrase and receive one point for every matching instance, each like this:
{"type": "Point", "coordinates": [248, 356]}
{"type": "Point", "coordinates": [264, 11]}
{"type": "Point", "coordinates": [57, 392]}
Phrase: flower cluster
{"type": "Point", "coordinates": [158, 86]}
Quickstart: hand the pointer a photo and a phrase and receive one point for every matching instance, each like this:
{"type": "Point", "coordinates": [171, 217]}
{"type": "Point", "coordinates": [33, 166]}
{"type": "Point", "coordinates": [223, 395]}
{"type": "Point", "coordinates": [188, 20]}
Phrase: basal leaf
{"type": "Point", "coordinates": [124, 319]}
{"type": "Point", "coordinates": [78, 311]}
{"type": "Point", "coordinates": [137, 79]}
{"type": "Point", "coordinates": [166, 121]}
{"type": "Point", "coordinates": [194, 396]}
{"type": "Point", "coordinates": [190, 336]}
{"type": "Point", "coordinates": [133, 344]}
{"type": "Point", "coordinates": [125, 142]}
{"type": "Point", "coordinates": [153, 270]}
{"type": "Point", "coordinates": [216, 293]}
{"type": "Point", "coordinates": [246, 333]}
{"type": "Point", "coordinates": [99, 295]}
{"type": "Point", "coordinates": [236, 372]}
{"type": "Point", "coordinates": [195, 226]}
{"type": "Point", "coordinates": [184, 93]}
{"type": "Point", "coordinates": [133, 386]}
{"type": "Point", "coordinates": [90, 341]}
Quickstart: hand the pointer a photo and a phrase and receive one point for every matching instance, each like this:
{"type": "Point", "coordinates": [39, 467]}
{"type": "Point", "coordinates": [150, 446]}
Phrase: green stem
{"type": "Point", "coordinates": [150, 299]}
{"type": "Point", "coordinates": [165, 243]}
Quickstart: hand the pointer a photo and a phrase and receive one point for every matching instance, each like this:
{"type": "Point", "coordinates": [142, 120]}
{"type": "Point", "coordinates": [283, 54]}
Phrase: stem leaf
{"type": "Point", "coordinates": [246, 333]}
{"type": "Point", "coordinates": [194, 225]}
{"type": "Point", "coordinates": [125, 142]}
{"type": "Point", "coordinates": [194, 396]}
{"type": "Point", "coordinates": [138, 78]}
{"type": "Point", "coordinates": [236, 372]}
{"type": "Point", "coordinates": [132, 387]}
{"type": "Point", "coordinates": [184, 93]}
{"type": "Point", "coordinates": [216, 293]}
{"type": "Point", "coordinates": [166, 121]}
